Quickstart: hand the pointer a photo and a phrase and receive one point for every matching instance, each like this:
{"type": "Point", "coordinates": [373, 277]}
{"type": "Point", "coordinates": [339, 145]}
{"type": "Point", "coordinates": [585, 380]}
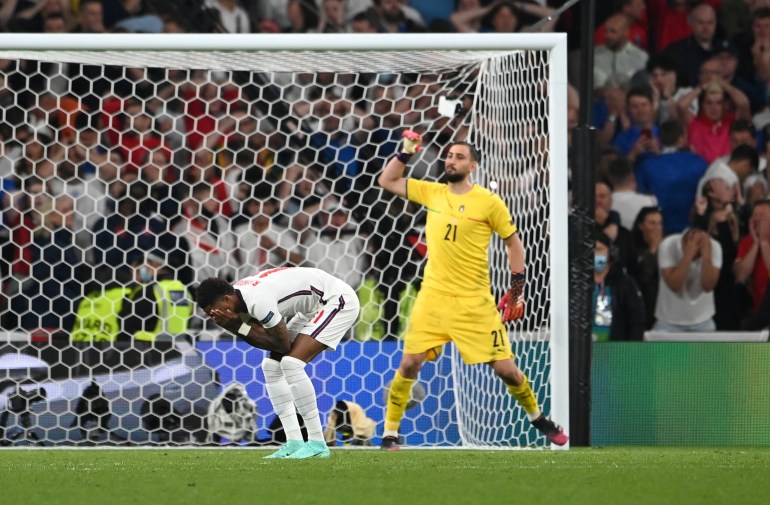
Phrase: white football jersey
{"type": "Point", "coordinates": [281, 293]}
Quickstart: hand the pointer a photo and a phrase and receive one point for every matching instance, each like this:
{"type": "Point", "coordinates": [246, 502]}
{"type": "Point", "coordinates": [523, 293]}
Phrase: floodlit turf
{"type": "Point", "coordinates": [611, 476]}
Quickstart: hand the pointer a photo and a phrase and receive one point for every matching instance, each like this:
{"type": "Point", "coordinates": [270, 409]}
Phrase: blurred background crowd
{"type": "Point", "coordinates": [209, 173]}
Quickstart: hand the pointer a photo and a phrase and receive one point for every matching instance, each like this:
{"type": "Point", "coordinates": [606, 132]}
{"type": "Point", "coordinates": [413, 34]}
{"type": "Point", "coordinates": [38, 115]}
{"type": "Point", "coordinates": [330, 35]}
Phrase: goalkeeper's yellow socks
{"type": "Point", "coordinates": [526, 397]}
{"type": "Point", "coordinates": [398, 397]}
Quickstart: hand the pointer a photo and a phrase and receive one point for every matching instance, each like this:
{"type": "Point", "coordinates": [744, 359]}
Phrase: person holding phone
{"type": "Point", "coordinates": [640, 138]}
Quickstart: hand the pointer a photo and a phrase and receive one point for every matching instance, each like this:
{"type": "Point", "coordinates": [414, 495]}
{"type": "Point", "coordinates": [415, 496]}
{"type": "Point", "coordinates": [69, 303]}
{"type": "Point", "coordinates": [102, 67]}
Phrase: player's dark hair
{"type": "Point", "coordinates": [211, 290]}
{"type": "Point", "coordinates": [475, 156]}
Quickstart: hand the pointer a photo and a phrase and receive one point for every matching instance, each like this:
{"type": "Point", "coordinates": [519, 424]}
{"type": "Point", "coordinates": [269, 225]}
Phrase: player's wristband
{"type": "Point", "coordinates": [404, 157]}
{"type": "Point", "coordinates": [517, 284]}
{"type": "Point", "coordinates": [244, 329]}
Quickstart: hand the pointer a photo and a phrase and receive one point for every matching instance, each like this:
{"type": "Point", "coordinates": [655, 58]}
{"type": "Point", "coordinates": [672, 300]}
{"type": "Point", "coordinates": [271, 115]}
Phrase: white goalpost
{"type": "Point", "coordinates": [231, 153]}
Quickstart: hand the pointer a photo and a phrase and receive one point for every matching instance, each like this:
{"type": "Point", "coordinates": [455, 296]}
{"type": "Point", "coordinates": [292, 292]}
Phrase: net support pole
{"type": "Point", "coordinates": [581, 242]}
{"type": "Point", "coordinates": [559, 342]}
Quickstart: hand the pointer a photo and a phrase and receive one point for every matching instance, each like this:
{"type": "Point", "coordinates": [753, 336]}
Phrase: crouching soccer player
{"type": "Point", "coordinates": [455, 302]}
{"type": "Point", "coordinates": [295, 313]}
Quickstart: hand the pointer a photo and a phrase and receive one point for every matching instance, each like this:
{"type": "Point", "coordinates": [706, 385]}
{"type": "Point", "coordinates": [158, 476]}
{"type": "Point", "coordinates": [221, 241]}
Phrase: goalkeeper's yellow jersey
{"type": "Point", "coordinates": [458, 231]}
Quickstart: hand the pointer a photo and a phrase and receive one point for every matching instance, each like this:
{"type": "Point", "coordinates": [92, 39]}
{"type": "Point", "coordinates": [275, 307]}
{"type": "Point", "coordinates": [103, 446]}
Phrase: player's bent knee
{"type": "Point", "coordinates": [271, 370]}
{"type": "Point", "coordinates": [410, 365]}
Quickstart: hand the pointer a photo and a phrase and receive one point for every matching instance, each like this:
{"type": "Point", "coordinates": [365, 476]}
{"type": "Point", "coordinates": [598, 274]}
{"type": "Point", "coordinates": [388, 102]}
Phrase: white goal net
{"type": "Point", "coordinates": [133, 167]}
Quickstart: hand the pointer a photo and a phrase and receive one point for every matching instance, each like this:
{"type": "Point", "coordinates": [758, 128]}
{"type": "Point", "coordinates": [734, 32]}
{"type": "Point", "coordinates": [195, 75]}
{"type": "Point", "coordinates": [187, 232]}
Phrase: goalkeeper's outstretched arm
{"type": "Point", "coordinates": [392, 177]}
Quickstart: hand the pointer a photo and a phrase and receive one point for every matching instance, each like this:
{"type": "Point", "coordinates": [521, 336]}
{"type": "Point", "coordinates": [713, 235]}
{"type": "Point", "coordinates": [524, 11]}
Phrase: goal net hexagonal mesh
{"type": "Point", "coordinates": [123, 167]}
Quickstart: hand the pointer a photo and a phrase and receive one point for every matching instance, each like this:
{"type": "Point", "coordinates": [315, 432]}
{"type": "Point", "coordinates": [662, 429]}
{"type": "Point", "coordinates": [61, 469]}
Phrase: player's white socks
{"type": "Point", "coordinates": [304, 395]}
{"type": "Point", "coordinates": [280, 395]}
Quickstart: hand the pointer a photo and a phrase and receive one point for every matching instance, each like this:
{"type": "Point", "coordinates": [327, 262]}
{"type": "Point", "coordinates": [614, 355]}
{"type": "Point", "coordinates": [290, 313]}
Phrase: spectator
{"type": "Point", "coordinates": [618, 59]}
{"type": "Point", "coordinates": [160, 306]}
{"type": "Point", "coordinates": [435, 10]}
{"type": "Point", "coordinates": [367, 21]}
{"type": "Point", "coordinates": [399, 251]}
{"type": "Point", "coordinates": [754, 47]}
{"type": "Point", "coordinates": [335, 146]}
{"type": "Point", "coordinates": [753, 262]}
{"type": "Point", "coordinates": [671, 176]}
{"type": "Point", "coordinates": [709, 131]}
{"type": "Point", "coordinates": [49, 299]}
{"type": "Point", "coordinates": [165, 196]}
{"type": "Point", "coordinates": [636, 13]}
{"type": "Point", "coordinates": [647, 234]}
{"type": "Point", "coordinates": [714, 212]}
{"type": "Point", "coordinates": [262, 242]}
{"type": "Point", "coordinates": [232, 17]}
{"type": "Point", "coordinates": [206, 234]}
{"type": "Point", "coordinates": [130, 15]}
{"type": "Point", "coordinates": [91, 17]}
{"type": "Point", "coordinates": [203, 169]}
{"type": "Point", "coordinates": [56, 23]}
{"type": "Point", "coordinates": [742, 133]}
{"type": "Point", "coordinates": [34, 17]}
{"type": "Point", "coordinates": [336, 247]}
{"type": "Point", "coordinates": [669, 21]}
{"type": "Point", "coordinates": [735, 16]}
{"type": "Point", "coordinates": [626, 200]}
{"type": "Point", "coordinates": [123, 236]}
{"type": "Point", "coordinates": [619, 313]}
{"type": "Point", "coordinates": [302, 17]}
{"type": "Point", "coordinates": [662, 70]}
{"type": "Point", "coordinates": [333, 17]}
{"type": "Point", "coordinates": [691, 52]}
{"type": "Point", "coordinates": [393, 19]}
{"type": "Point", "coordinates": [640, 138]}
{"type": "Point", "coordinates": [502, 17]}
{"type": "Point", "coordinates": [608, 221]}
{"type": "Point", "coordinates": [740, 165]}
{"type": "Point", "coordinates": [755, 91]}
{"type": "Point", "coordinates": [610, 114]}
{"type": "Point", "coordinates": [689, 265]}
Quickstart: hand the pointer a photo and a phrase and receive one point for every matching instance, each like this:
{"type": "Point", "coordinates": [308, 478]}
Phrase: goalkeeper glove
{"type": "Point", "coordinates": [512, 302]}
{"type": "Point", "coordinates": [412, 144]}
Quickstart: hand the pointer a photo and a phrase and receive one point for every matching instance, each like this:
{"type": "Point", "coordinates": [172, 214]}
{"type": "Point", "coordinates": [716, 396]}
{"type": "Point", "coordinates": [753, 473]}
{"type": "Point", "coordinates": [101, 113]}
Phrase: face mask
{"type": "Point", "coordinates": [600, 262]}
{"type": "Point", "coordinates": [144, 274]}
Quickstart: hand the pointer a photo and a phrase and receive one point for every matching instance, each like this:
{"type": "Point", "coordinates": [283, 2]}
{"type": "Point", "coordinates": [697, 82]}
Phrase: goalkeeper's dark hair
{"type": "Point", "coordinates": [475, 156]}
{"type": "Point", "coordinates": [211, 290]}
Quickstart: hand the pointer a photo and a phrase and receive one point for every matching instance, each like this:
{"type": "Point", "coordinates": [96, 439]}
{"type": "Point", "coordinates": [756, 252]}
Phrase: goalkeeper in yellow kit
{"type": "Point", "coordinates": [455, 301]}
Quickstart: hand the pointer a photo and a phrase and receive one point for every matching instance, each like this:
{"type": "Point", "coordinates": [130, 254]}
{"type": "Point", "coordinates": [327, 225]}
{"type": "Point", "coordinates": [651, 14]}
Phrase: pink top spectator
{"type": "Point", "coordinates": [711, 139]}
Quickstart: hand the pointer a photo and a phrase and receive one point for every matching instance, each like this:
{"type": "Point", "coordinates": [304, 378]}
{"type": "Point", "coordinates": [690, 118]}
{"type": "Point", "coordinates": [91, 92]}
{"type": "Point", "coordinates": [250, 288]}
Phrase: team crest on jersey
{"type": "Point", "coordinates": [462, 208]}
{"type": "Point", "coordinates": [267, 318]}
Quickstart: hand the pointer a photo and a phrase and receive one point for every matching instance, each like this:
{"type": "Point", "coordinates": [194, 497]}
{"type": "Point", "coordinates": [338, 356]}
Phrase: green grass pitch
{"type": "Point", "coordinates": [581, 476]}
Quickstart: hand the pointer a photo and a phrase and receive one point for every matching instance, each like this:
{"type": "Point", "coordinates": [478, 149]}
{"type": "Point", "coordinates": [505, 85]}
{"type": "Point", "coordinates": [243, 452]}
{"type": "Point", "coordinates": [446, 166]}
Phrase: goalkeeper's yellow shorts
{"type": "Point", "coordinates": [472, 323]}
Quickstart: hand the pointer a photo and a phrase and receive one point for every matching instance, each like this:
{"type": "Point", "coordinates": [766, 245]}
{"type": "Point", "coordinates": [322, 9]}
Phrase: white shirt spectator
{"type": "Point", "coordinates": [692, 305]}
{"type": "Point", "coordinates": [617, 67]}
{"type": "Point", "coordinates": [718, 170]}
{"type": "Point", "coordinates": [254, 257]}
{"type": "Point", "coordinates": [234, 19]}
{"type": "Point", "coordinates": [629, 203]}
{"type": "Point", "coordinates": [210, 255]}
{"type": "Point", "coordinates": [342, 253]}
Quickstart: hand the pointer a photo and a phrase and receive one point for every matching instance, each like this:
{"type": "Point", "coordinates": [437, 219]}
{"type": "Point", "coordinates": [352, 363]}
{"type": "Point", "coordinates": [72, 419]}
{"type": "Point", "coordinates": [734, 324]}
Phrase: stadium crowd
{"type": "Point", "coordinates": [99, 166]}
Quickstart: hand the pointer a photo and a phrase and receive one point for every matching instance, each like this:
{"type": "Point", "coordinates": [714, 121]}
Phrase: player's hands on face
{"type": "Point", "coordinates": [412, 142]}
{"type": "Point", "coordinates": [225, 318]}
